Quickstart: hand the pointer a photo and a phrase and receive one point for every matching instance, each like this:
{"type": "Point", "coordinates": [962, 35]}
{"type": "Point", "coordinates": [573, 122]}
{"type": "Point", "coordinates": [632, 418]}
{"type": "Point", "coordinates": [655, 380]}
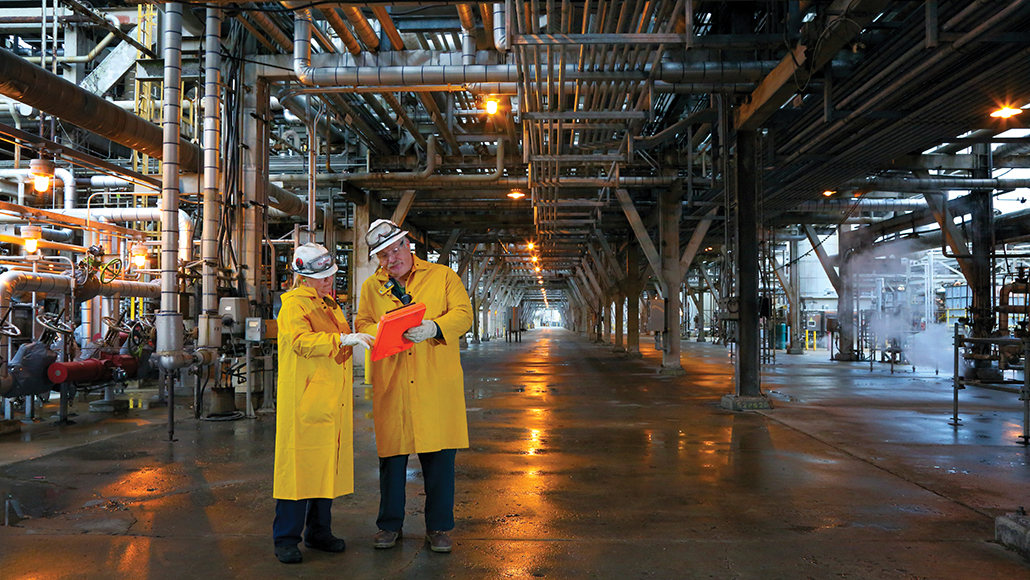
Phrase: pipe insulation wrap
{"type": "Point", "coordinates": [38, 88]}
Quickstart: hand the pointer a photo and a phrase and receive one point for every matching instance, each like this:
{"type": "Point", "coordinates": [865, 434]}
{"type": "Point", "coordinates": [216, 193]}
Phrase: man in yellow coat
{"type": "Point", "coordinates": [418, 395]}
{"type": "Point", "coordinates": [314, 433]}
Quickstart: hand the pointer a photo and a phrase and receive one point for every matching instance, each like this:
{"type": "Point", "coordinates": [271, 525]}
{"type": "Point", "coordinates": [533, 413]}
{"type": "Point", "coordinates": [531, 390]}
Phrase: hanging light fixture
{"type": "Point", "coordinates": [41, 171]}
{"type": "Point", "coordinates": [32, 235]}
{"type": "Point", "coordinates": [516, 194]}
{"type": "Point", "coordinates": [139, 255]}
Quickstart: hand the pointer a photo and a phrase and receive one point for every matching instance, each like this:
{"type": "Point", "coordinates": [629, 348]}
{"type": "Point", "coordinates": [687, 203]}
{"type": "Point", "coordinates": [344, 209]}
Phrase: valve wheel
{"type": "Point", "coordinates": [111, 271]}
{"type": "Point", "coordinates": [116, 324]}
{"type": "Point", "coordinates": [54, 323]}
{"type": "Point", "coordinates": [9, 329]}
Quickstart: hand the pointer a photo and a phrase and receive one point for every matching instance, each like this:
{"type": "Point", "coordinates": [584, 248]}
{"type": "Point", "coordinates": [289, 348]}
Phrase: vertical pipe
{"type": "Point", "coordinates": [169, 320]}
{"type": "Point", "coordinates": [212, 169]}
{"type": "Point", "coordinates": [672, 211]}
{"type": "Point", "coordinates": [748, 368]}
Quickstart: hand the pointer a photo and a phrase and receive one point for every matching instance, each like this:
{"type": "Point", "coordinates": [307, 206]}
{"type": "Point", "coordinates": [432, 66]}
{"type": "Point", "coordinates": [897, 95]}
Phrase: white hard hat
{"type": "Point", "coordinates": [381, 234]}
{"type": "Point", "coordinates": [314, 261]}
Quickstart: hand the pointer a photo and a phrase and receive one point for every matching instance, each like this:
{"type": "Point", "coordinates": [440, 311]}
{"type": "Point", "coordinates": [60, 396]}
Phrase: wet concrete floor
{"type": "Point", "coordinates": [584, 464]}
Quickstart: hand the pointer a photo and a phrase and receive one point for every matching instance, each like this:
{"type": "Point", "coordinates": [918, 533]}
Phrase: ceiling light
{"type": "Point", "coordinates": [139, 255]}
{"type": "Point", "coordinates": [516, 194]}
{"type": "Point", "coordinates": [1006, 112]}
{"type": "Point", "coordinates": [828, 193]}
{"type": "Point", "coordinates": [41, 170]}
{"type": "Point", "coordinates": [32, 235]}
{"type": "Point", "coordinates": [491, 106]}
{"type": "Point", "coordinates": [537, 268]}
{"type": "Point", "coordinates": [531, 245]}
{"type": "Point", "coordinates": [535, 258]}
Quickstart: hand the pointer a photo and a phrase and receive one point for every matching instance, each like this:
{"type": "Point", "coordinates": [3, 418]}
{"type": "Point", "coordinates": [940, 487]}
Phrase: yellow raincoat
{"type": "Point", "coordinates": [314, 433]}
{"type": "Point", "coordinates": [418, 395]}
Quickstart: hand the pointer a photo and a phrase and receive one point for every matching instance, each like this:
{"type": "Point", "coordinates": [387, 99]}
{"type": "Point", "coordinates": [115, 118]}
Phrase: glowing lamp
{"type": "Point", "coordinates": [139, 255]}
{"type": "Point", "coordinates": [32, 235]}
{"type": "Point", "coordinates": [828, 193]}
{"type": "Point", "coordinates": [1006, 112]}
{"type": "Point", "coordinates": [491, 106]}
{"type": "Point", "coordinates": [516, 194]}
{"type": "Point", "coordinates": [530, 245]}
{"type": "Point", "coordinates": [535, 259]}
{"type": "Point", "coordinates": [41, 171]}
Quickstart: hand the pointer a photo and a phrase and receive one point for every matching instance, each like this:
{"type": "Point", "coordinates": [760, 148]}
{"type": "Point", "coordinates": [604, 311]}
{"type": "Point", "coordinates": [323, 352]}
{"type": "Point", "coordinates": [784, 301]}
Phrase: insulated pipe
{"type": "Point", "coordinates": [468, 31]}
{"type": "Point", "coordinates": [500, 31]}
{"type": "Point", "coordinates": [169, 319]}
{"type": "Point", "coordinates": [933, 183]}
{"type": "Point", "coordinates": [212, 169]}
{"type": "Point", "coordinates": [184, 223]}
{"type": "Point", "coordinates": [863, 204]}
{"type": "Point", "coordinates": [384, 76]}
{"type": "Point", "coordinates": [36, 87]}
{"type": "Point", "coordinates": [68, 181]}
{"type": "Point", "coordinates": [337, 24]}
{"type": "Point", "coordinates": [300, 106]}
{"type": "Point", "coordinates": [361, 27]}
{"type": "Point", "coordinates": [92, 55]}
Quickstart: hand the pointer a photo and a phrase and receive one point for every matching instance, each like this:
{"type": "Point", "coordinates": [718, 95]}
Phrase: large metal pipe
{"type": "Point", "coordinates": [862, 204]}
{"type": "Point", "coordinates": [169, 319]}
{"type": "Point", "coordinates": [384, 76]}
{"type": "Point", "coordinates": [212, 168]}
{"type": "Point", "coordinates": [183, 223]}
{"type": "Point", "coordinates": [36, 87]}
{"type": "Point", "coordinates": [1004, 309]}
{"type": "Point", "coordinates": [933, 183]}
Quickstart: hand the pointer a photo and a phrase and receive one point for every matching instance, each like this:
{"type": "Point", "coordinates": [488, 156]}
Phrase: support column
{"type": "Point", "coordinates": [846, 304]}
{"type": "Point", "coordinates": [606, 323]}
{"type": "Point", "coordinates": [748, 368]}
{"type": "Point", "coordinates": [671, 211]}
{"type": "Point", "coordinates": [796, 337]}
{"type": "Point", "coordinates": [620, 301]}
{"type": "Point", "coordinates": [633, 289]}
{"type": "Point", "coordinates": [982, 247]}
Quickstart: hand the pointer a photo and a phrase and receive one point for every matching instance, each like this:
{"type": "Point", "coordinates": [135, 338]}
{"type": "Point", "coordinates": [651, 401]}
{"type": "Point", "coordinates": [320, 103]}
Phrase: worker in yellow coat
{"type": "Point", "coordinates": [314, 436]}
{"type": "Point", "coordinates": [418, 396]}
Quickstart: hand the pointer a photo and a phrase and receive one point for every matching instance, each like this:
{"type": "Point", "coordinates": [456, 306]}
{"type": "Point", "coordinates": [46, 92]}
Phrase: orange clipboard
{"type": "Point", "coordinates": [389, 339]}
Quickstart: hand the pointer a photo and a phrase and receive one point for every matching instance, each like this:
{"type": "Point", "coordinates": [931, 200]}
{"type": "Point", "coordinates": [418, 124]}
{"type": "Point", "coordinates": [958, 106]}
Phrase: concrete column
{"type": "Point", "coordinates": [846, 304]}
{"type": "Point", "coordinates": [620, 302]}
{"type": "Point", "coordinates": [748, 368]}
{"type": "Point", "coordinates": [633, 289]}
{"type": "Point", "coordinates": [606, 326]}
{"type": "Point", "coordinates": [796, 331]}
{"type": "Point", "coordinates": [671, 211]}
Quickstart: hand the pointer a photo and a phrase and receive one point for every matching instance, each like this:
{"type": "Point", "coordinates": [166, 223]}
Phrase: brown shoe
{"type": "Point", "coordinates": [385, 539]}
{"type": "Point", "coordinates": [439, 541]}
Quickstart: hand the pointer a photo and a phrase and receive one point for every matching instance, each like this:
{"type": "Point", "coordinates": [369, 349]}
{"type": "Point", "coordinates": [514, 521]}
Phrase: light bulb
{"type": "Point", "coordinates": [31, 244]}
{"type": "Point", "coordinates": [41, 183]}
{"type": "Point", "coordinates": [139, 260]}
{"type": "Point", "coordinates": [491, 107]}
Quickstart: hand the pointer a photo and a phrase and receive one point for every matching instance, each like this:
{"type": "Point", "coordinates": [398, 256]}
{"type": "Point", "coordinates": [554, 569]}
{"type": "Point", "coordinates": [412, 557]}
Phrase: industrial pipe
{"type": "Point", "coordinates": [370, 75]}
{"type": "Point", "coordinates": [933, 183]}
{"type": "Point", "coordinates": [183, 222]}
{"type": "Point", "coordinates": [210, 335]}
{"type": "Point", "coordinates": [36, 87]}
{"type": "Point", "coordinates": [169, 319]}
{"type": "Point", "coordinates": [1004, 309]}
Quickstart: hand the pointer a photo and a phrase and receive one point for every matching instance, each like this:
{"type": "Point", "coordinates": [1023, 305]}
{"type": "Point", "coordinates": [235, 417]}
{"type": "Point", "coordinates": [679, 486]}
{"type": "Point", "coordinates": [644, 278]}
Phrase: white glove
{"type": "Point", "coordinates": [422, 332]}
{"type": "Point", "coordinates": [358, 338]}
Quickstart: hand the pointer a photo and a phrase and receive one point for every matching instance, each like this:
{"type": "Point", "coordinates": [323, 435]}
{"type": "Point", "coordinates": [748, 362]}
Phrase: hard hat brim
{"type": "Point", "coordinates": [387, 242]}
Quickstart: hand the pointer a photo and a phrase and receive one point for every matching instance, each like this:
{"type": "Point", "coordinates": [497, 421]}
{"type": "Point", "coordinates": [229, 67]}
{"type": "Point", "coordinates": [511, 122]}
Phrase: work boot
{"type": "Point", "coordinates": [333, 544]}
{"type": "Point", "coordinates": [439, 541]}
{"type": "Point", "coordinates": [288, 554]}
{"type": "Point", "coordinates": [385, 539]}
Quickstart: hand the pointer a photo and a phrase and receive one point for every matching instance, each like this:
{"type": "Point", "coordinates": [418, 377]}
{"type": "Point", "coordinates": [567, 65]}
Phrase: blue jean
{"type": "Point", "coordinates": [438, 474]}
{"type": "Point", "coordinates": [293, 516]}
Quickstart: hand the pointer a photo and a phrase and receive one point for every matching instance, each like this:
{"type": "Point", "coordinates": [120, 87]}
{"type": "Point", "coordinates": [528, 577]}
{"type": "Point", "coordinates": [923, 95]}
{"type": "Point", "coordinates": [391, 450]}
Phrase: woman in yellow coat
{"type": "Point", "coordinates": [418, 395]}
{"type": "Point", "coordinates": [314, 437]}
